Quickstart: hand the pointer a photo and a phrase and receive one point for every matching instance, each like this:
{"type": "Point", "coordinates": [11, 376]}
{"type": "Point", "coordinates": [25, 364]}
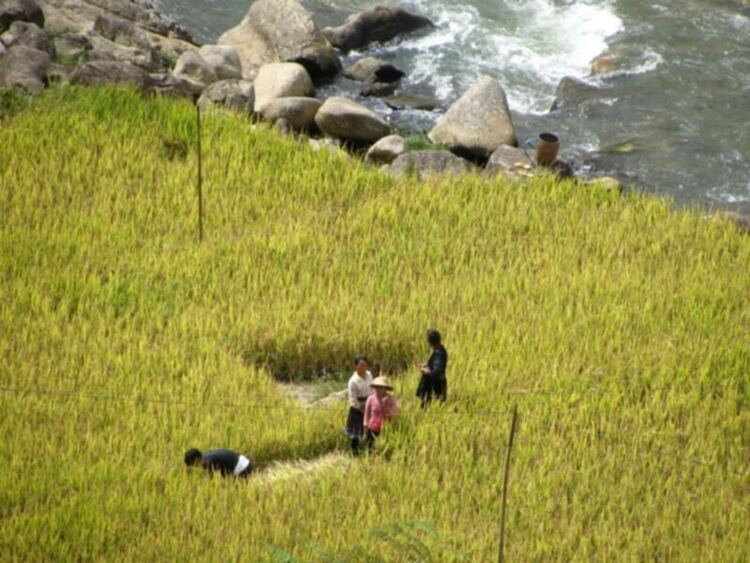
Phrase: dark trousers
{"type": "Point", "coordinates": [371, 437]}
{"type": "Point", "coordinates": [430, 388]}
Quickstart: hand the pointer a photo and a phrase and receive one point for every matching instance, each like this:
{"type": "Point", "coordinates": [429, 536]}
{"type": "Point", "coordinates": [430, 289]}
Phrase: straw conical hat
{"type": "Point", "coordinates": [381, 381]}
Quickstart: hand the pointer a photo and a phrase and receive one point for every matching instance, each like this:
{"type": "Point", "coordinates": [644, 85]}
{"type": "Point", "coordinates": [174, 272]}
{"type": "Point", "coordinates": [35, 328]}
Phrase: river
{"type": "Point", "coordinates": [673, 118]}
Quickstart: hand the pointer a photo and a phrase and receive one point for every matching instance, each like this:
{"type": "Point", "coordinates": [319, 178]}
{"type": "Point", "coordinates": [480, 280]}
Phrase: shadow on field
{"type": "Point", "coordinates": [297, 362]}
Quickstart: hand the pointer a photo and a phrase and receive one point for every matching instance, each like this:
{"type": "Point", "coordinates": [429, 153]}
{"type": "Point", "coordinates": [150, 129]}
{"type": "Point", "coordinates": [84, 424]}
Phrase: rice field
{"type": "Point", "coordinates": [619, 326]}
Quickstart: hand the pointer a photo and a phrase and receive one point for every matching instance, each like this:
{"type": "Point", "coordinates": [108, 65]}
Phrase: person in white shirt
{"type": "Point", "coordinates": [359, 391]}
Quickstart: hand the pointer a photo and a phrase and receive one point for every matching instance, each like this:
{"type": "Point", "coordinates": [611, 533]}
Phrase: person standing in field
{"type": "Point", "coordinates": [223, 461]}
{"type": "Point", "coordinates": [380, 408]}
{"type": "Point", "coordinates": [433, 382]}
{"type": "Point", "coordinates": [358, 390]}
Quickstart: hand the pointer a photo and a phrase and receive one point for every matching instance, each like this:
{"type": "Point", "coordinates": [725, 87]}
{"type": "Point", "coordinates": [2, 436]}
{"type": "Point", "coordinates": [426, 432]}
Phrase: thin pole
{"type": "Point", "coordinates": [200, 175]}
{"type": "Point", "coordinates": [501, 553]}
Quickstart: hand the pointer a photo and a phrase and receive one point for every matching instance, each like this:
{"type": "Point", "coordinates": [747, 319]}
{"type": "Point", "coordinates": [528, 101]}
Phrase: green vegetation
{"type": "Point", "coordinates": [420, 142]}
{"type": "Point", "coordinates": [619, 327]}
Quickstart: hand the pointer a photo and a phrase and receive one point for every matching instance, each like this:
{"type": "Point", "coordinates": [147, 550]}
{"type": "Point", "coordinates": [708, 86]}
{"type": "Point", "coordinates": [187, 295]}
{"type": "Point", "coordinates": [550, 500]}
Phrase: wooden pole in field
{"type": "Point", "coordinates": [501, 553]}
{"type": "Point", "coordinates": [200, 175]}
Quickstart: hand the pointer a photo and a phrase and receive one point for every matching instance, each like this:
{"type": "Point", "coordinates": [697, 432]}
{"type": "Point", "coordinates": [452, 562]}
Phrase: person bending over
{"type": "Point", "coordinates": [380, 408]}
{"type": "Point", "coordinates": [359, 391]}
{"type": "Point", "coordinates": [226, 462]}
{"type": "Point", "coordinates": [433, 382]}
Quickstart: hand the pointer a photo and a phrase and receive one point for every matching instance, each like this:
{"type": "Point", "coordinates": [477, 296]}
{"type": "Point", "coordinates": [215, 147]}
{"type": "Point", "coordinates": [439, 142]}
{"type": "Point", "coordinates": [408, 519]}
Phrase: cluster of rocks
{"type": "Point", "coordinates": [267, 67]}
{"type": "Point", "coordinates": [88, 41]}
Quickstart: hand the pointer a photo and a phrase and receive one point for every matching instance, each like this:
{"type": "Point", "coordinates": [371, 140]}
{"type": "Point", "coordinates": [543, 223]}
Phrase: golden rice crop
{"type": "Point", "coordinates": [619, 327]}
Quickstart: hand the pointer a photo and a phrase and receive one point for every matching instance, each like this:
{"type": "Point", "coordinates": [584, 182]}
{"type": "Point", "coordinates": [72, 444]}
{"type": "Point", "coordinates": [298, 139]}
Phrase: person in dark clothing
{"type": "Point", "coordinates": [434, 382]}
{"type": "Point", "coordinates": [226, 462]}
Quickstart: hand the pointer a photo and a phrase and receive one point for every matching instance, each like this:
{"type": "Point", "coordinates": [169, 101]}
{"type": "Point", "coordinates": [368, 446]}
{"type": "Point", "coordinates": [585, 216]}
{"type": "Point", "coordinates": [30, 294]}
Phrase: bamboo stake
{"type": "Point", "coordinates": [200, 176]}
{"type": "Point", "coordinates": [501, 552]}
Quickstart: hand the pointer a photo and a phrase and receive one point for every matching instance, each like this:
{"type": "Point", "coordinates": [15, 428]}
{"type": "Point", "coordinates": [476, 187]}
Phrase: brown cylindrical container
{"type": "Point", "coordinates": [546, 149]}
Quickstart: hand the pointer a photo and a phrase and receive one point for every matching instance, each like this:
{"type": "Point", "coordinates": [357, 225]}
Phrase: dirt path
{"type": "Point", "coordinates": [304, 468]}
{"type": "Point", "coordinates": [307, 396]}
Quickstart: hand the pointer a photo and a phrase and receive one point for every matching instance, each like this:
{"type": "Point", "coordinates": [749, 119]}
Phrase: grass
{"type": "Point", "coordinates": [619, 326]}
{"type": "Point", "coordinates": [420, 142]}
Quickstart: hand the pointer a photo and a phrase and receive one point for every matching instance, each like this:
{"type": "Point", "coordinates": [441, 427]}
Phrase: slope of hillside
{"type": "Point", "coordinates": [619, 327]}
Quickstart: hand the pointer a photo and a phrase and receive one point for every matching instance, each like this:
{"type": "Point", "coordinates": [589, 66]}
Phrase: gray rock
{"type": "Point", "coordinates": [121, 32]}
{"type": "Point", "coordinates": [741, 222]}
{"type": "Point", "coordinates": [511, 161]}
{"type": "Point", "coordinates": [333, 146]}
{"type": "Point", "coordinates": [380, 24]}
{"type": "Point", "coordinates": [193, 68]}
{"type": "Point", "coordinates": [24, 68]}
{"type": "Point", "coordinates": [350, 121]}
{"type": "Point", "coordinates": [166, 84]}
{"type": "Point", "coordinates": [2, 49]}
{"type": "Point", "coordinates": [428, 164]}
{"type": "Point", "coordinates": [281, 80]}
{"type": "Point", "coordinates": [572, 92]}
{"type": "Point", "coordinates": [606, 183]}
{"type": "Point", "coordinates": [110, 72]}
{"type": "Point", "coordinates": [283, 127]}
{"type": "Point", "coordinates": [281, 31]}
{"type": "Point", "coordinates": [387, 149]}
{"type": "Point", "coordinates": [72, 45]}
{"type": "Point", "coordinates": [477, 123]}
{"type": "Point", "coordinates": [224, 60]}
{"type": "Point", "coordinates": [407, 101]}
{"type": "Point", "coordinates": [299, 113]}
{"type": "Point", "coordinates": [79, 17]}
{"type": "Point", "coordinates": [29, 34]}
{"type": "Point", "coordinates": [20, 10]}
{"type": "Point", "coordinates": [235, 95]}
{"type": "Point", "coordinates": [379, 89]}
{"type": "Point", "coordinates": [104, 49]}
{"type": "Point", "coordinates": [371, 69]}
{"type": "Point", "coordinates": [57, 73]}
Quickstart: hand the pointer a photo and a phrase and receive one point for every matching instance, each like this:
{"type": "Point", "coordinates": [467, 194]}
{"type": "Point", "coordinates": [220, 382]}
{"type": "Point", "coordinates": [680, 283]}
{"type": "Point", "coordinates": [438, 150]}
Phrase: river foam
{"type": "Point", "coordinates": [529, 46]}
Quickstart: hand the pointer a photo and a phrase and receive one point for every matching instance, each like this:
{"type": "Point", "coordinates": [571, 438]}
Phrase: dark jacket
{"type": "Point", "coordinates": [437, 366]}
{"type": "Point", "coordinates": [438, 363]}
{"type": "Point", "coordinates": [221, 460]}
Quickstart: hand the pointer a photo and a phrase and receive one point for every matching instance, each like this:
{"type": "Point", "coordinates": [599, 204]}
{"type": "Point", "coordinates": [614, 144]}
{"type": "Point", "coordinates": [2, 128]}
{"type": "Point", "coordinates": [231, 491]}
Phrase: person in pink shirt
{"type": "Point", "coordinates": [381, 407]}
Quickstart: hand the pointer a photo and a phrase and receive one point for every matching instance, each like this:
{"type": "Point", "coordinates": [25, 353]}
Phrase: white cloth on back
{"type": "Point", "coordinates": [242, 464]}
{"type": "Point", "coordinates": [359, 387]}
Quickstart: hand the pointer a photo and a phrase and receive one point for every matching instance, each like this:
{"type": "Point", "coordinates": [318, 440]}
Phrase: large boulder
{"type": "Point", "coordinates": [298, 112]}
{"type": "Point", "coordinates": [29, 34]}
{"type": "Point", "coordinates": [24, 68]}
{"type": "Point", "coordinates": [371, 69]}
{"type": "Point", "coordinates": [281, 31]}
{"type": "Point", "coordinates": [103, 49]}
{"type": "Point", "coordinates": [223, 59]}
{"type": "Point", "coordinates": [193, 68]}
{"type": "Point", "coordinates": [427, 164]}
{"type": "Point", "coordinates": [20, 10]}
{"type": "Point", "coordinates": [349, 121]}
{"type": "Point", "coordinates": [387, 149]}
{"type": "Point", "coordinates": [72, 45]}
{"type": "Point", "coordinates": [511, 161]}
{"type": "Point", "coordinates": [110, 72]}
{"type": "Point", "coordinates": [572, 92]}
{"type": "Point", "coordinates": [234, 95]}
{"type": "Point", "coordinates": [281, 80]}
{"type": "Point", "coordinates": [380, 24]}
{"type": "Point", "coordinates": [477, 123]}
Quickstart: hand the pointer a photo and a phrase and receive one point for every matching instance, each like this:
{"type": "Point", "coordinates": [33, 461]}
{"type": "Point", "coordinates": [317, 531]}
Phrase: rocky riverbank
{"type": "Point", "coordinates": [270, 67]}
